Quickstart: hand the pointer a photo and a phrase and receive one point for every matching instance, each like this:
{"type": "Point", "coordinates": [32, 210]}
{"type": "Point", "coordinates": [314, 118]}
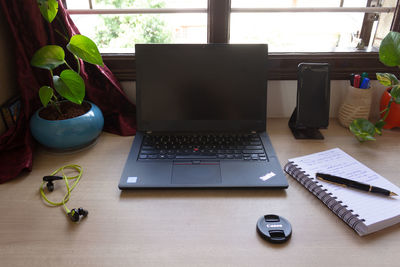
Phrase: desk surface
{"type": "Point", "coordinates": [189, 227]}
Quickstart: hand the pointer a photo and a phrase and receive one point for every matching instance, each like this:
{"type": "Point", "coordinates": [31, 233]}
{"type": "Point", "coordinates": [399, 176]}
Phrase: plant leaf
{"type": "Point", "coordinates": [379, 125]}
{"type": "Point", "coordinates": [84, 48]}
{"type": "Point", "coordinates": [70, 86]}
{"type": "Point", "coordinates": [387, 79]}
{"type": "Point", "coordinates": [389, 51]}
{"type": "Point", "coordinates": [395, 93]}
{"type": "Point", "coordinates": [45, 94]}
{"type": "Point", "coordinates": [48, 9]}
{"type": "Point", "coordinates": [363, 129]}
{"type": "Point", "coordinates": [48, 57]}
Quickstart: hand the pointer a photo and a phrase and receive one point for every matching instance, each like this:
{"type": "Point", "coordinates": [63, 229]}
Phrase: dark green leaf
{"type": "Point", "coordinates": [387, 79]}
{"type": "Point", "coordinates": [45, 94]}
{"type": "Point", "coordinates": [395, 93]}
{"type": "Point", "coordinates": [48, 57]}
{"type": "Point", "coordinates": [84, 48]}
{"type": "Point", "coordinates": [389, 51]}
{"type": "Point", "coordinates": [379, 125]}
{"type": "Point", "coordinates": [48, 9]}
{"type": "Point", "coordinates": [70, 86]}
{"type": "Point", "coordinates": [363, 129]}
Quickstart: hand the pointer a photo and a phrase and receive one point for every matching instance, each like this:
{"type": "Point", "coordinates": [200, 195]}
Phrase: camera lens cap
{"type": "Point", "coordinates": [274, 228]}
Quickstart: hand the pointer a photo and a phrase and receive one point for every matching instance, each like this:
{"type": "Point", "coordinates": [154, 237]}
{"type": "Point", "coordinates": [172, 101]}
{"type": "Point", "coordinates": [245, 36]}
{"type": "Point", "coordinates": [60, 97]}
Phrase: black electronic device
{"type": "Point", "coordinates": [201, 118]}
{"type": "Point", "coordinates": [274, 228]}
{"type": "Point", "coordinates": [75, 214]}
{"type": "Point", "coordinates": [312, 105]}
{"type": "Point", "coordinates": [49, 179]}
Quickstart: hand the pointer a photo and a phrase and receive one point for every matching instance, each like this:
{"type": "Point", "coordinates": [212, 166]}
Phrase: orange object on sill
{"type": "Point", "coordinates": [393, 119]}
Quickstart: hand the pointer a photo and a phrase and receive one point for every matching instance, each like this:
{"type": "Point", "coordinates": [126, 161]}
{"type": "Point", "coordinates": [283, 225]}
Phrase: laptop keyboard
{"type": "Point", "coordinates": [246, 147]}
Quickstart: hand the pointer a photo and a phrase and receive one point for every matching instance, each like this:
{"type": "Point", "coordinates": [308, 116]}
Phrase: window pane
{"type": "Point", "coordinates": [77, 4]}
{"type": "Point", "coordinates": [296, 32]}
{"type": "Point", "coordinates": [297, 3]}
{"type": "Point", "coordinates": [122, 32]}
{"type": "Point", "coordinates": [384, 23]}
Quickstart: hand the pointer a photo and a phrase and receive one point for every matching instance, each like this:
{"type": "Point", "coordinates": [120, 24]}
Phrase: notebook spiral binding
{"type": "Point", "coordinates": [337, 206]}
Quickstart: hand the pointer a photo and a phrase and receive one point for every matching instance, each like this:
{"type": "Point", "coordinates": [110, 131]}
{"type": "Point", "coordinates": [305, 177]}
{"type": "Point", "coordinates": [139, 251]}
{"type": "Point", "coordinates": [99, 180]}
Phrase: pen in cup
{"type": "Point", "coordinates": [360, 81]}
{"type": "Point", "coordinates": [364, 75]}
{"type": "Point", "coordinates": [364, 84]}
{"type": "Point", "coordinates": [357, 80]}
{"type": "Point", "coordinates": [352, 79]}
{"type": "Point", "coordinates": [354, 184]}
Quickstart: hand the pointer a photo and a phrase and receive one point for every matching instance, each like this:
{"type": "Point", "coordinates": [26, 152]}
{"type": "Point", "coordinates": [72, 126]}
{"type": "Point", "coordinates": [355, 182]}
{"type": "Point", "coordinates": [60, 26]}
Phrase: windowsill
{"type": "Point", "coordinates": [116, 51]}
{"type": "Point", "coordinates": [282, 66]}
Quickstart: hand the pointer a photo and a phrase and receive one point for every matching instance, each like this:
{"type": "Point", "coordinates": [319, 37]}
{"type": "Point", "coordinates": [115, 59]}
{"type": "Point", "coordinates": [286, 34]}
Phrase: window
{"type": "Point", "coordinates": [116, 25]}
{"type": "Point", "coordinates": [308, 25]}
{"type": "Point", "coordinates": [345, 33]}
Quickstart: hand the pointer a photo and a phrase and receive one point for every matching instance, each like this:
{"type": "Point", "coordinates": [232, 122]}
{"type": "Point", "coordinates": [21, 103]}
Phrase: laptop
{"type": "Point", "coordinates": [201, 119]}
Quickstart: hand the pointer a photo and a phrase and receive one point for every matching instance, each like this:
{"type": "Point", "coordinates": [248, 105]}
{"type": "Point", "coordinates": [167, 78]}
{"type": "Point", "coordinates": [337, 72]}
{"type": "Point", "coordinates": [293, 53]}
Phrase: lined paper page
{"type": "Point", "coordinates": [371, 207]}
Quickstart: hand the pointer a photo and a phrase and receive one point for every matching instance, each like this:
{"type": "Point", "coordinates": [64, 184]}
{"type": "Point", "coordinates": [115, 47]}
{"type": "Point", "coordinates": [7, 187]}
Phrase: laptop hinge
{"type": "Point", "coordinates": [150, 132]}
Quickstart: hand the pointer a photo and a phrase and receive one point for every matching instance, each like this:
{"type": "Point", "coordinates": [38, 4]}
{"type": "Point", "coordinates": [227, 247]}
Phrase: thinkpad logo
{"type": "Point", "coordinates": [267, 176]}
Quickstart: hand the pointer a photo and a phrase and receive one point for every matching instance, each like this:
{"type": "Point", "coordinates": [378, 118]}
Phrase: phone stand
{"type": "Point", "coordinates": [304, 132]}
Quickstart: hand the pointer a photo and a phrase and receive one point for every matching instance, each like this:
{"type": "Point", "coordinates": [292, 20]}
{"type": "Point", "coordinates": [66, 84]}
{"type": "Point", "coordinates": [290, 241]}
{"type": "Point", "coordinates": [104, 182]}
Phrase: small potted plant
{"type": "Point", "coordinates": [389, 54]}
{"type": "Point", "coordinates": [65, 121]}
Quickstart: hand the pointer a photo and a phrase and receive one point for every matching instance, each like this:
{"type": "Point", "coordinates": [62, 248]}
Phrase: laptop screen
{"type": "Point", "coordinates": [201, 87]}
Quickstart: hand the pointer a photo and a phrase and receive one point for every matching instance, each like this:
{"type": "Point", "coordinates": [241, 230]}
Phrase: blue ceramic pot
{"type": "Point", "coordinates": [68, 134]}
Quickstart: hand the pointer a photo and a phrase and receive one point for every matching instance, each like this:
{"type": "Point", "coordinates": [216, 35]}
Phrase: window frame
{"type": "Point", "coordinates": [281, 65]}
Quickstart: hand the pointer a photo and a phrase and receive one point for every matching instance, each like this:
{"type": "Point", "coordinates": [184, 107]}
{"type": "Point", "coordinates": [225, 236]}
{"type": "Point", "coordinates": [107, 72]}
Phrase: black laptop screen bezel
{"type": "Point", "coordinates": [199, 125]}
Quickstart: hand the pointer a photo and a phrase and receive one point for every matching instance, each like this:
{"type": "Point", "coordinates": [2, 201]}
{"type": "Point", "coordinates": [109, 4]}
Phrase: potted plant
{"type": "Point", "coordinates": [392, 115]}
{"type": "Point", "coordinates": [389, 54]}
{"type": "Point", "coordinates": [65, 121]}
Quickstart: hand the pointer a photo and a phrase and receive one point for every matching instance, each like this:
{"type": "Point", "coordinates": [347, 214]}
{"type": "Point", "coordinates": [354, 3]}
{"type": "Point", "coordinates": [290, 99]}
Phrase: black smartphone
{"type": "Point", "coordinates": [313, 97]}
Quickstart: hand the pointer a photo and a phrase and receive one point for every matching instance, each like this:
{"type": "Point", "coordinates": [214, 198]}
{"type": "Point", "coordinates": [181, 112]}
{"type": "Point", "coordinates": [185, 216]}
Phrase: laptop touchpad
{"type": "Point", "coordinates": [196, 173]}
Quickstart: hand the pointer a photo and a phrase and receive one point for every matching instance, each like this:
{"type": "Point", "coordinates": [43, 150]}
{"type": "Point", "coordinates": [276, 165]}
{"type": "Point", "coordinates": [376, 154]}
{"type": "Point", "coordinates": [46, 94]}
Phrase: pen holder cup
{"type": "Point", "coordinates": [356, 105]}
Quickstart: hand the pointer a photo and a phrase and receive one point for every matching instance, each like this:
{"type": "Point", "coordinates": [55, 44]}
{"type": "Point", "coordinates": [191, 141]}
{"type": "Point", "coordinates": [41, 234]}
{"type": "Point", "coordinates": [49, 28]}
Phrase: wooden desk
{"type": "Point", "coordinates": [189, 227]}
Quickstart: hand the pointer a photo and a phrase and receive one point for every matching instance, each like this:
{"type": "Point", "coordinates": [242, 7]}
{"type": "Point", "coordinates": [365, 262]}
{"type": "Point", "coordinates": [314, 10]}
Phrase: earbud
{"type": "Point", "coordinates": [83, 212]}
{"type": "Point", "coordinates": [49, 179]}
{"type": "Point", "coordinates": [75, 214]}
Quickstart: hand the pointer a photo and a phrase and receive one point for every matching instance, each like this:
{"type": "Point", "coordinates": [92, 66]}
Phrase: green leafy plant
{"type": "Point", "coordinates": [389, 54]}
{"type": "Point", "coordinates": [123, 31]}
{"type": "Point", "coordinates": [68, 84]}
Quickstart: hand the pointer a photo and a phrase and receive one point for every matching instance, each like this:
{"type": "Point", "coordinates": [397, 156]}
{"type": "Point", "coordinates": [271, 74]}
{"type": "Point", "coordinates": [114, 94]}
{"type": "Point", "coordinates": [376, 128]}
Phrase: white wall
{"type": "Point", "coordinates": [282, 97]}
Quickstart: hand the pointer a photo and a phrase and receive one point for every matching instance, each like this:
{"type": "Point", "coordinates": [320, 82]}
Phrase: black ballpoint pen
{"type": "Point", "coordinates": [354, 184]}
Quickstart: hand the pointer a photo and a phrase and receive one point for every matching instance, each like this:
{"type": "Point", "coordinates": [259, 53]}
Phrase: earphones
{"type": "Point", "coordinates": [49, 179]}
{"type": "Point", "coordinates": [74, 214]}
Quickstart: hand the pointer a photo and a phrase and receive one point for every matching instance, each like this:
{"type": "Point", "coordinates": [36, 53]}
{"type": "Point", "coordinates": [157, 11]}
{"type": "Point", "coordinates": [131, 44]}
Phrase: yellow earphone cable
{"type": "Point", "coordinates": [66, 180]}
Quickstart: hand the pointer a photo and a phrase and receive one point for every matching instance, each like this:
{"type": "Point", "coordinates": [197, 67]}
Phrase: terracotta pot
{"type": "Point", "coordinates": [393, 119]}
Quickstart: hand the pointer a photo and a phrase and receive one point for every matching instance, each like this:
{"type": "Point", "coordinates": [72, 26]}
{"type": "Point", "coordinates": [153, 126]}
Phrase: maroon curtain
{"type": "Point", "coordinates": [30, 32]}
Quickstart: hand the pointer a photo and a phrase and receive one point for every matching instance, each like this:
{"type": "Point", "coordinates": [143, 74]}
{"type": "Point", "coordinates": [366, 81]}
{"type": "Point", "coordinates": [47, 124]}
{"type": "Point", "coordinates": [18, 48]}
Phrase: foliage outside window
{"type": "Point", "coordinates": [116, 25]}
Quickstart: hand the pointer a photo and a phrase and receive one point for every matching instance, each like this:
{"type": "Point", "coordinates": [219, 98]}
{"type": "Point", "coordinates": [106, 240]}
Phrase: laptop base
{"type": "Point", "coordinates": [139, 174]}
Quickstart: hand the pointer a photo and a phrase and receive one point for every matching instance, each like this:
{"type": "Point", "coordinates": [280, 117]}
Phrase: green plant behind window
{"type": "Point", "coordinates": [127, 30]}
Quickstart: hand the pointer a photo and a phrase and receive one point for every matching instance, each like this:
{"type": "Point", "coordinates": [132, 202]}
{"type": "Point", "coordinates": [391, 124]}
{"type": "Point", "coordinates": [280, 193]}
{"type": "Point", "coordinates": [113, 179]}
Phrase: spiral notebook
{"type": "Point", "coordinates": [364, 212]}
